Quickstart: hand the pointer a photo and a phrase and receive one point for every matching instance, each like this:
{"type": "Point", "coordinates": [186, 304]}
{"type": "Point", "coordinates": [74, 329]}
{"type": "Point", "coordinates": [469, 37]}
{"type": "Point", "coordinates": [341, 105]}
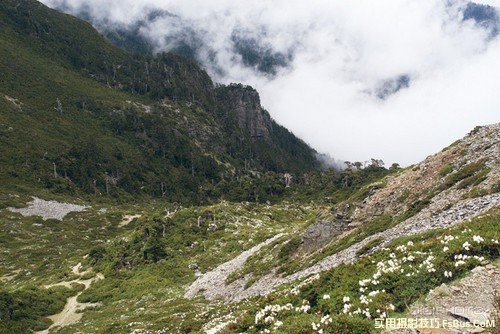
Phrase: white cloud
{"type": "Point", "coordinates": [342, 50]}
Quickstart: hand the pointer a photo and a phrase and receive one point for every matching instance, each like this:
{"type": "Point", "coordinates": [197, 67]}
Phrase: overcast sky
{"type": "Point", "coordinates": [343, 52]}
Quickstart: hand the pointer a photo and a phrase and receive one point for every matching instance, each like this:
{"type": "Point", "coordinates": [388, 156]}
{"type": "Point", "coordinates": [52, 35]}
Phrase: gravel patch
{"type": "Point", "coordinates": [48, 209]}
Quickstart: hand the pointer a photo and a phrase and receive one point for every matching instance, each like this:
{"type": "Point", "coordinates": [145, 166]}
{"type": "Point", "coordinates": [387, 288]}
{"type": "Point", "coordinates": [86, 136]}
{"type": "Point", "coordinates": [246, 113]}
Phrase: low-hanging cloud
{"type": "Point", "coordinates": [439, 73]}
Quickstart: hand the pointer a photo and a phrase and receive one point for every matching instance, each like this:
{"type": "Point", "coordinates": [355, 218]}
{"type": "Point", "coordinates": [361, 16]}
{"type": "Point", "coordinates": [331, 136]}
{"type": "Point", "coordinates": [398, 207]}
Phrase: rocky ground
{"type": "Point", "coordinates": [469, 299]}
{"type": "Point", "coordinates": [48, 209]}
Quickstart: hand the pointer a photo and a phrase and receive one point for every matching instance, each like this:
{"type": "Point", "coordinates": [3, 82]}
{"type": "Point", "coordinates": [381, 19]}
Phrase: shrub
{"type": "Point", "coordinates": [463, 173]}
{"type": "Point", "coordinates": [343, 324]}
{"type": "Point", "coordinates": [447, 169]}
{"type": "Point", "coordinates": [290, 247]}
{"type": "Point", "coordinates": [297, 324]}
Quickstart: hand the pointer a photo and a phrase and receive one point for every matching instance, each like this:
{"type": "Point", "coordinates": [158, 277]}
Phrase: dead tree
{"type": "Point", "coordinates": [55, 170]}
{"type": "Point", "coordinates": [110, 179]}
{"type": "Point", "coordinates": [59, 107]}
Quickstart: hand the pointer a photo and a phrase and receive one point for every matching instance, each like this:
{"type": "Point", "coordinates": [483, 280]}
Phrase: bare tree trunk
{"type": "Point", "coordinates": [55, 170]}
{"type": "Point", "coordinates": [59, 107]}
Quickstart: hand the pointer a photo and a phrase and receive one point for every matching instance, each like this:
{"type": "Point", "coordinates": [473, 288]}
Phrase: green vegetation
{"type": "Point", "coordinates": [333, 186]}
{"type": "Point", "coordinates": [468, 174]}
{"type": "Point", "coordinates": [151, 137]}
{"type": "Point", "coordinates": [25, 310]}
{"type": "Point", "coordinates": [290, 247]}
{"type": "Point", "coordinates": [447, 169]}
{"type": "Point", "coordinates": [394, 287]}
{"type": "Point", "coordinates": [81, 116]}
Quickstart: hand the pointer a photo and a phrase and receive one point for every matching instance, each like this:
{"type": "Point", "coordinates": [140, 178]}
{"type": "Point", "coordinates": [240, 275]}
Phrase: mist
{"type": "Point", "coordinates": [392, 79]}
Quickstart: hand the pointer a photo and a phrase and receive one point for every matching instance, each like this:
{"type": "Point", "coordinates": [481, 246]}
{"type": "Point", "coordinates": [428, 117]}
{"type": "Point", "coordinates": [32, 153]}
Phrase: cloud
{"type": "Point", "coordinates": [337, 81]}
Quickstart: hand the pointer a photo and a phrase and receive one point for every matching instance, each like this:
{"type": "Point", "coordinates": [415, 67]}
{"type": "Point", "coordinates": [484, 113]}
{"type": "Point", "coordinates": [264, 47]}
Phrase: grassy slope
{"type": "Point", "coordinates": [46, 56]}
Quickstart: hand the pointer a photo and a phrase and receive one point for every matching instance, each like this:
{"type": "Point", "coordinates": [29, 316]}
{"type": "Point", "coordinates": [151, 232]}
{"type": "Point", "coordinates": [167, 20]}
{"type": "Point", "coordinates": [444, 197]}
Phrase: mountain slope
{"type": "Point", "coordinates": [109, 121]}
{"type": "Point", "coordinates": [228, 267]}
{"type": "Point", "coordinates": [455, 185]}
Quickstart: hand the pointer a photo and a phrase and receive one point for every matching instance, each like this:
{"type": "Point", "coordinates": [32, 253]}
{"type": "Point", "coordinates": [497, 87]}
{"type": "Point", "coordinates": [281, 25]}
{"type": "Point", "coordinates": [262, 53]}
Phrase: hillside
{"type": "Point", "coordinates": [243, 267]}
{"type": "Point", "coordinates": [81, 115]}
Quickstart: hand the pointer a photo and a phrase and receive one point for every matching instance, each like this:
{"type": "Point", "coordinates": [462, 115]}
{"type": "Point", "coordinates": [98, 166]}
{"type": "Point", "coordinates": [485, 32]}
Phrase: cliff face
{"type": "Point", "coordinates": [243, 103]}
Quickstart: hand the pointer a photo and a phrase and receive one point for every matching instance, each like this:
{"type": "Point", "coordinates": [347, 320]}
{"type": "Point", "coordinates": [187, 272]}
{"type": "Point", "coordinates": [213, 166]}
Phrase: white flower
{"type": "Point", "coordinates": [278, 324]}
{"type": "Point", "coordinates": [326, 296]}
{"type": "Point", "coordinates": [445, 248]}
{"type": "Point", "coordinates": [466, 245]}
{"type": "Point", "coordinates": [346, 299]}
{"type": "Point", "coordinates": [477, 239]}
{"type": "Point", "coordinates": [305, 308]}
{"type": "Point", "coordinates": [326, 319]}
{"type": "Point", "coordinates": [364, 282]}
{"type": "Point", "coordinates": [269, 319]}
{"type": "Point", "coordinates": [346, 308]}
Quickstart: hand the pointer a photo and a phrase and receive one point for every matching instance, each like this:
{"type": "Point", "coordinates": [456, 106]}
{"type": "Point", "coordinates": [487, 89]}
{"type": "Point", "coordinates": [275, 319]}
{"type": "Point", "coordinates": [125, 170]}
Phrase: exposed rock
{"type": "Point", "coordinates": [217, 277]}
{"type": "Point", "coordinates": [461, 300]}
{"type": "Point", "coordinates": [127, 219]}
{"type": "Point", "coordinates": [244, 101]}
{"type": "Point", "coordinates": [319, 233]}
{"type": "Point", "coordinates": [48, 209]}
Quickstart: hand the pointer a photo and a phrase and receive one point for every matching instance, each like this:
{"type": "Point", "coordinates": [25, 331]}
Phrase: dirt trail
{"type": "Point", "coordinates": [10, 276]}
{"type": "Point", "coordinates": [127, 219]}
{"type": "Point", "coordinates": [70, 315]}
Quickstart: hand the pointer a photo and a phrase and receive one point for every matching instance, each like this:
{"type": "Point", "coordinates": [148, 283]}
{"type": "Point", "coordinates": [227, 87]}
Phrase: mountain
{"type": "Point", "coordinates": [178, 35]}
{"type": "Point", "coordinates": [484, 16]}
{"type": "Point", "coordinates": [137, 196]}
{"type": "Point", "coordinates": [80, 114]}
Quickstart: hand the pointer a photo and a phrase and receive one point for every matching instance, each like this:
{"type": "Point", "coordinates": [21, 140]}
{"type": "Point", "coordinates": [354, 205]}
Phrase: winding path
{"type": "Point", "coordinates": [70, 315]}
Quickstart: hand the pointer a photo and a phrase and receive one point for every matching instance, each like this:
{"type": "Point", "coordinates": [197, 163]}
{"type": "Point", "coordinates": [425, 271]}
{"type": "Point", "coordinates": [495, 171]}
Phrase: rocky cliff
{"type": "Point", "coordinates": [243, 102]}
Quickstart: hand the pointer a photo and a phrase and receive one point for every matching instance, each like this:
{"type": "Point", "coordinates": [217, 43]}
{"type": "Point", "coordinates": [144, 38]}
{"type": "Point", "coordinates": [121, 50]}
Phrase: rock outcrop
{"type": "Point", "coordinates": [244, 103]}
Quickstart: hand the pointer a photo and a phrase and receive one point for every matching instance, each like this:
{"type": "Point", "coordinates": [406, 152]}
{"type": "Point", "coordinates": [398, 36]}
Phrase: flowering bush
{"type": "Point", "coordinates": [348, 298]}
